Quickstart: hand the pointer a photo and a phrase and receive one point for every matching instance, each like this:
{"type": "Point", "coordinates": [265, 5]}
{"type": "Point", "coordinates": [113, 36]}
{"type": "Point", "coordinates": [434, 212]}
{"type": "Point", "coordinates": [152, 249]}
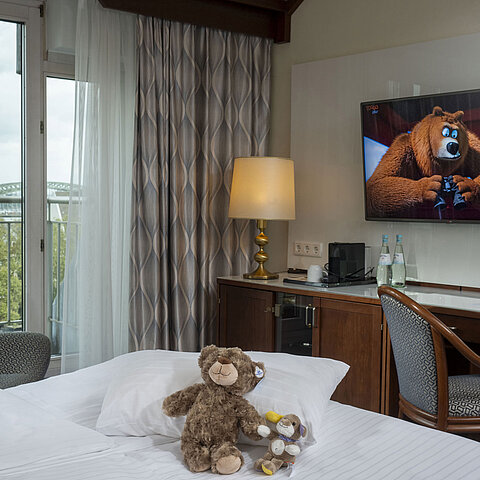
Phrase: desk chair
{"type": "Point", "coordinates": [24, 357]}
{"type": "Point", "coordinates": [429, 396]}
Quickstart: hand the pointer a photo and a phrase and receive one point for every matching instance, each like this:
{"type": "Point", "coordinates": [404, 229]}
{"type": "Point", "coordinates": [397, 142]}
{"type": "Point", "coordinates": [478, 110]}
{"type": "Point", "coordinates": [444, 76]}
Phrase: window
{"type": "Point", "coordinates": [11, 174]}
{"type": "Point", "coordinates": [36, 129]}
{"type": "Point", "coordinates": [59, 122]}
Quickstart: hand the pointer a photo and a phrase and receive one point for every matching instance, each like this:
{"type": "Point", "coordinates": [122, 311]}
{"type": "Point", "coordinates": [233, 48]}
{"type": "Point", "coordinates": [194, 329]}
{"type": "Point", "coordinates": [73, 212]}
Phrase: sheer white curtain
{"type": "Point", "coordinates": [96, 285]}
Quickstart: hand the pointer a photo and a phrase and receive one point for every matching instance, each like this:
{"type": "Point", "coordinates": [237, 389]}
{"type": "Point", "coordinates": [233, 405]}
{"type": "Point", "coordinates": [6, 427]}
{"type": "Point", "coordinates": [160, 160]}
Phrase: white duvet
{"type": "Point", "coordinates": [30, 436]}
{"type": "Point", "coordinates": [46, 434]}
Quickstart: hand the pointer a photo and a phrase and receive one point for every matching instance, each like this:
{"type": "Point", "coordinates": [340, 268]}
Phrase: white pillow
{"type": "Point", "coordinates": [133, 404]}
{"type": "Point", "coordinates": [292, 384]}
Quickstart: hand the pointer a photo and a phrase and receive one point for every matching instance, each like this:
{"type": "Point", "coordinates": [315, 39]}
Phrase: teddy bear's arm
{"type": "Point", "coordinates": [249, 419]}
{"type": "Point", "coordinates": [265, 432]}
{"type": "Point", "coordinates": [179, 403]}
{"type": "Point", "coordinates": [292, 449]}
{"type": "Point", "coordinates": [390, 189]}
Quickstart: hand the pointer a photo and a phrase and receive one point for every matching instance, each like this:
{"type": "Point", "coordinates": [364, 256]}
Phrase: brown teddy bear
{"type": "Point", "coordinates": [216, 410]}
{"type": "Point", "coordinates": [411, 171]}
{"type": "Point", "coordinates": [283, 443]}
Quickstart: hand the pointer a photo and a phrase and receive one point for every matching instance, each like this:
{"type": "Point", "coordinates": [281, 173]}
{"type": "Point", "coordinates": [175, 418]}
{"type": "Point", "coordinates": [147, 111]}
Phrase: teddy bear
{"type": "Point", "coordinates": [411, 171]}
{"type": "Point", "coordinates": [216, 410]}
{"type": "Point", "coordinates": [283, 447]}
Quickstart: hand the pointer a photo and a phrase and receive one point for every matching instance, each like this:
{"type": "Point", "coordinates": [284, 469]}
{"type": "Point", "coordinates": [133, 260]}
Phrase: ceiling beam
{"type": "Point", "coordinates": [263, 18]}
{"type": "Point", "coordinates": [277, 5]}
{"type": "Point", "coordinates": [292, 5]}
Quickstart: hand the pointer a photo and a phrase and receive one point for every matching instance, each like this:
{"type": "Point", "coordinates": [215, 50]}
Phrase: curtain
{"type": "Point", "coordinates": [95, 306]}
{"type": "Point", "coordinates": [202, 100]}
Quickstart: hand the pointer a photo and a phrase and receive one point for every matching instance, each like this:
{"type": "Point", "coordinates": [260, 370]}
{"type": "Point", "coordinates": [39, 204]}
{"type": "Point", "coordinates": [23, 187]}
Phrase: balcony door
{"type": "Point", "coordinates": [12, 150]}
{"type": "Point", "coordinates": [58, 137]}
{"type": "Point", "coordinates": [30, 203]}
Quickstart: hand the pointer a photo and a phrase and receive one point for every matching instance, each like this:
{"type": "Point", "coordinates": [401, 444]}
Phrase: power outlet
{"type": "Point", "coordinates": [308, 249]}
{"type": "Point", "coordinates": [297, 248]}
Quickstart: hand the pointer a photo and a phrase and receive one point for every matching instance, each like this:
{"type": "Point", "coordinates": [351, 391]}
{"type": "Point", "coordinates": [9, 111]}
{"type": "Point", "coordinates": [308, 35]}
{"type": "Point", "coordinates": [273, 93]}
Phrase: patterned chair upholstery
{"type": "Point", "coordinates": [464, 396]}
{"type": "Point", "coordinates": [427, 394]}
{"type": "Point", "coordinates": [24, 357]}
{"type": "Point", "coordinates": [414, 354]}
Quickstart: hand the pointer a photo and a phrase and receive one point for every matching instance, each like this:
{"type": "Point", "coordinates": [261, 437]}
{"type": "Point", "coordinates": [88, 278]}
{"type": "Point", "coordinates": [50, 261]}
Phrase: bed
{"type": "Point", "coordinates": [48, 431]}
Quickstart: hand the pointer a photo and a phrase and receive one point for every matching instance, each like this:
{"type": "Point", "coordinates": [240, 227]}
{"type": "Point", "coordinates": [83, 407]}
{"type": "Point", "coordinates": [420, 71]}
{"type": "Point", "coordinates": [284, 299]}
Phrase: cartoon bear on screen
{"type": "Point", "coordinates": [414, 169]}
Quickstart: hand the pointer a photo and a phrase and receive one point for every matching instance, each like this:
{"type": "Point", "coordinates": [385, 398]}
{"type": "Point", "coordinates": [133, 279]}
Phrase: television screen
{"type": "Point", "coordinates": [422, 158]}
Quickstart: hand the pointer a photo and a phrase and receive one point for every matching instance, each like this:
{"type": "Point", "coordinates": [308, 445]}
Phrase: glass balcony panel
{"type": "Point", "coordinates": [60, 98]}
{"type": "Point", "coordinates": [11, 175]}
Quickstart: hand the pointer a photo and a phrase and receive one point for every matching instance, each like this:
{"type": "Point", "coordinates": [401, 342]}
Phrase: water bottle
{"type": "Point", "coordinates": [399, 272]}
{"type": "Point", "coordinates": [384, 268]}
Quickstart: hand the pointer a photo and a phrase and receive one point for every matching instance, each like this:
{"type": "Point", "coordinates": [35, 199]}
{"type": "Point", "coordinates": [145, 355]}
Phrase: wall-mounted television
{"type": "Point", "coordinates": [422, 158]}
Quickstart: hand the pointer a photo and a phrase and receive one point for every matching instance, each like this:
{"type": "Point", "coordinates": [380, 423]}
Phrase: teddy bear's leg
{"type": "Point", "coordinates": [226, 458]}
{"type": "Point", "coordinates": [197, 456]}
{"type": "Point", "coordinates": [271, 466]}
{"type": "Point", "coordinates": [258, 464]}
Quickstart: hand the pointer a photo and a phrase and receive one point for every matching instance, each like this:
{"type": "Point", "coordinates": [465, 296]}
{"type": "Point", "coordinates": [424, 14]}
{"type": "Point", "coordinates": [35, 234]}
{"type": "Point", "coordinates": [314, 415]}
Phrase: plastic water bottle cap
{"type": "Point", "coordinates": [399, 237]}
{"type": "Point", "coordinates": [384, 237]}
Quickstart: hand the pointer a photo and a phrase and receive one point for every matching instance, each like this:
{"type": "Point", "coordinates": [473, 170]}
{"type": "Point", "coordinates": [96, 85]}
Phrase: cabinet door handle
{"type": "Point", "coordinates": [308, 323]}
{"type": "Point", "coordinates": [313, 316]}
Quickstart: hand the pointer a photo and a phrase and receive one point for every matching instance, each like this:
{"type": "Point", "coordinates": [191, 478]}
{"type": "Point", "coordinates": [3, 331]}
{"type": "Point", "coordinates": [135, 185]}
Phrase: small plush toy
{"type": "Point", "coordinates": [216, 410]}
{"type": "Point", "coordinates": [283, 443]}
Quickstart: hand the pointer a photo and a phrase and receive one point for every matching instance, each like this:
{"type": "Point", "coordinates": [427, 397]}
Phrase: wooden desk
{"type": "Point", "coordinates": [348, 325]}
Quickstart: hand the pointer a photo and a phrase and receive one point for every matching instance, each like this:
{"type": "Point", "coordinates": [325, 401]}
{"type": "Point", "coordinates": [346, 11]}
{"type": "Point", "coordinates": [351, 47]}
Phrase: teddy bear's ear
{"type": "Point", "coordinates": [437, 111]}
{"type": "Point", "coordinates": [259, 371]}
{"type": "Point", "coordinates": [206, 352]}
{"type": "Point", "coordinates": [458, 116]}
{"type": "Point", "coordinates": [303, 430]}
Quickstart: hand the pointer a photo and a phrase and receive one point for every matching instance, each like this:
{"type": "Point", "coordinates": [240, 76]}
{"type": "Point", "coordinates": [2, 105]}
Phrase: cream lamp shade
{"type": "Point", "coordinates": [262, 188]}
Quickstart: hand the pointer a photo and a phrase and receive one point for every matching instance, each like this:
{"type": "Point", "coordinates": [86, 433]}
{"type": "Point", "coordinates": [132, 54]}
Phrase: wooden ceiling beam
{"type": "Point", "coordinates": [263, 18]}
{"type": "Point", "coordinates": [292, 5]}
{"type": "Point", "coordinates": [276, 5]}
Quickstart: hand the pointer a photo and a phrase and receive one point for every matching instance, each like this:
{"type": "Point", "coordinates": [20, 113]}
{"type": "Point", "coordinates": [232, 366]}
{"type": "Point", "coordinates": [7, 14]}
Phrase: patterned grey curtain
{"type": "Point", "coordinates": [202, 100]}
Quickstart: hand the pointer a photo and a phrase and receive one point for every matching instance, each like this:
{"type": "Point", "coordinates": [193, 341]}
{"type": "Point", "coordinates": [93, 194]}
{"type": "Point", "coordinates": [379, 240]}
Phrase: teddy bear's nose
{"type": "Point", "coordinates": [224, 360]}
{"type": "Point", "coordinates": [452, 147]}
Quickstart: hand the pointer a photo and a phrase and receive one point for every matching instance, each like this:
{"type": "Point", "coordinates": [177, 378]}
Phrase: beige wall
{"type": "Point", "coordinates": [323, 29]}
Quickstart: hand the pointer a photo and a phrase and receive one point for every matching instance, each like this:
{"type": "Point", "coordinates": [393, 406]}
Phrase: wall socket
{"type": "Point", "coordinates": [308, 249]}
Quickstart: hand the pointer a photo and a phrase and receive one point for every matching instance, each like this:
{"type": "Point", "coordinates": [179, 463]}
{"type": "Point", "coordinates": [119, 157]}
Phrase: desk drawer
{"type": "Point", "coordinates": [468, 329]}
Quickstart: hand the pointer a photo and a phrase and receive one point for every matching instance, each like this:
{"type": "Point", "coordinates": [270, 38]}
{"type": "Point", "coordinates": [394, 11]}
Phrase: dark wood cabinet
{"type": "Point", "coordinates": [246, 318]}
{"type": "Point", "coordinates": [342, 330]}
{"type": "Point", "coordinates": [352, 332]}
{"type": "Point", "coordinates": [344, 327]}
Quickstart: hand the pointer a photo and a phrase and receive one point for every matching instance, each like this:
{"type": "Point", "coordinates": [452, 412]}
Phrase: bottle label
{"type": "Point", "coordinates": [398, 259]}
{"type": "Point", "coordinates": [384, 259]}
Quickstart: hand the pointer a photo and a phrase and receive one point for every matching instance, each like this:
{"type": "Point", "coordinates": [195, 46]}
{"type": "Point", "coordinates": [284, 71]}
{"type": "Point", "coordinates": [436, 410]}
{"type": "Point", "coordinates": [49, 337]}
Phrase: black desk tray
{"type": "Point", "coordinates": [300, 281]}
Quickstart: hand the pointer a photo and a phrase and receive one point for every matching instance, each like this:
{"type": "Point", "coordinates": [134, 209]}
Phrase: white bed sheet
{"type": "Point", "coordinates": [352, 443]}
{"type": "Point", "coordinates": [355, 444]}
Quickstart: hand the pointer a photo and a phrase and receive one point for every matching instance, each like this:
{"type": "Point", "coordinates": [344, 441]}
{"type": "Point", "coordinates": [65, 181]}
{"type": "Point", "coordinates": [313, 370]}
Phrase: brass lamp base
{"type": "Point", "coordinates": [261, 273]}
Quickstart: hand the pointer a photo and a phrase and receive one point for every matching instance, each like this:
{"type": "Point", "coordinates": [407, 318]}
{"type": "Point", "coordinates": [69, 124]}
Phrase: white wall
{"type": "Point", "coordinates": [327, 149]}
{"type": "Point", "coordinates": [322, 30]}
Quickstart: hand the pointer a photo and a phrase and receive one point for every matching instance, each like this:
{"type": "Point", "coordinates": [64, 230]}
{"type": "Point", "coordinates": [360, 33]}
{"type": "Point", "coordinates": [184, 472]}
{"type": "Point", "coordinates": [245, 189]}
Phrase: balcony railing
{"type": "Point", "coordinates": [10, 270]}
{"type": "Point", "coordinates": [11, 265]}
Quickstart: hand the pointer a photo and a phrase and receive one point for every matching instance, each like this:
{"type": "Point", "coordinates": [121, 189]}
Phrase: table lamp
{"type": "Point", "coordinates": [262, 189]}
